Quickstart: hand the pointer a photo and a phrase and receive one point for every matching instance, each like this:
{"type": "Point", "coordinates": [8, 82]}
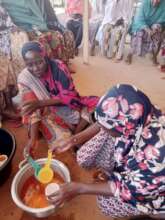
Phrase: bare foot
{"type": "Point", "coordinates": [129, 59]}
{"type": "Point", "coordinates": [154, 60]}
{"type": "Point", "coordinates": [71, 68]}
{"type": "Point", "coordinates": [111, 56]}
{"type": "Point", "coordinates": [76, 52]}
{"type": "Point", "coordinates": [92, 52]}
{"type": "Point", "coordinates": [117, 60]}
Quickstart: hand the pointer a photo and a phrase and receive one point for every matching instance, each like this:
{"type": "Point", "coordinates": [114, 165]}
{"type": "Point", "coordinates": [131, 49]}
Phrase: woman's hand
{"type": "Point", "coordinates": [78, 139]}
{"type": "Point", "coordinates": [29, 107]}
{"type": "Point", "coordinates": [70, 190]}
{"type": "Point", "coordinates": [63, 145]}
{"type": "Point", "coordinates": [71, 127]}
{"type": "Point", "coordinates": [67, 192]}
{"type": "Point", "coordinates": [29, 149]}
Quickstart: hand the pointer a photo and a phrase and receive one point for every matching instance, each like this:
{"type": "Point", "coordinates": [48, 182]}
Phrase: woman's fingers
{"type": "Point", "coordinates": [30, 148]}
{"type": "Point", "coordinates": [26, 110]}
{"type": "Point", "coordinates": [67, 192]}
{"type": "Point", "coordinates": [61, 146]}
{"type": "Point", "coordinates": [62, 149]}
{"type": "Point", "coordinates": [55, 198]}
{"type": "Point", "coordinates": [26, 152]}
{"type": "Point", "coordinates": [26, 104]}
{"type": "Point", "coordinates": [55, 201]}
{"type": "Point", "coordinates": [53, 195]}
{"type": "Point", "coordinates": [29, 107]}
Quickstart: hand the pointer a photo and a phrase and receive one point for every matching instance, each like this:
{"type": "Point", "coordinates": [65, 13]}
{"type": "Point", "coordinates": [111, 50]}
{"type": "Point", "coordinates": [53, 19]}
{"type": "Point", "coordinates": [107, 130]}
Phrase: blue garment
{"type": "Point", "coordinates": [25, 14]}
{"type": "Point", "coordinates": [147, 15]}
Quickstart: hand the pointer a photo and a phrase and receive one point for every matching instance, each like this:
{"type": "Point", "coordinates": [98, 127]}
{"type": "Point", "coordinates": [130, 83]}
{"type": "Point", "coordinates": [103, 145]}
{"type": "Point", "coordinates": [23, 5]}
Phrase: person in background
{"type": "Point", "coordinates": [38, 19]}
{"type": "Point", "coordinates": [59, 41]}
{"type": "Point", "coordinates": [8, 82]}
{"type": "Point", "coordinates": [162, 51]}
{"type": "Point", "coordinates": [146, 29]}
{"type": "Point", "coordinates": [74, 10]}
{"type": "Point", "coordinates": [49, 100]}
{"type": "Point", "coordinates": [97, 15]}
{"type": "Point", "coordinates": [128, 145]}
{"type": "Point", "coordinates": [114, 28]}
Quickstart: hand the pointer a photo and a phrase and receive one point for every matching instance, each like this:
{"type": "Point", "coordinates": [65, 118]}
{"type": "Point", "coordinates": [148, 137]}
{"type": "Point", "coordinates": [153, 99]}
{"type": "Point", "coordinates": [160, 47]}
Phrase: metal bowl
{"type": "Point", "coordinates": [23, 174]}
{"type": "Point", "coordinates": [7, 147]}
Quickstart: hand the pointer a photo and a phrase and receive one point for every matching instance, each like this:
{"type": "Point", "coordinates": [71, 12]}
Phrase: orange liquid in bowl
{"type": "Point", "coordinates": [33, 192]}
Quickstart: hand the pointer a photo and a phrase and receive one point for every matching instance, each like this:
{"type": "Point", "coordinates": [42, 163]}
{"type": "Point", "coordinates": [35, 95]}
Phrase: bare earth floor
{"type": "Point", "coordinates": [95, 79]}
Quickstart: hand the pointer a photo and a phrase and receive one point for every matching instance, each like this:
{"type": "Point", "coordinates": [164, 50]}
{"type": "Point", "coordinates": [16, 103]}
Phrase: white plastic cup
{"type": "Point", "coordinates": [51, 188]}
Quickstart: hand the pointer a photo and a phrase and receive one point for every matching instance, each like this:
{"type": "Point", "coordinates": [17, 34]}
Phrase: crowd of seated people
{"type": "Point", "coordinates": [143, 21]}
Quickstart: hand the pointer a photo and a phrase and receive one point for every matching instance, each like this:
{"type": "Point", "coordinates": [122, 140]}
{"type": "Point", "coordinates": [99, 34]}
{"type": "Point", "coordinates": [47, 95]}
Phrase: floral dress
{"type": "Point", "coordinates": [57, 45]}
{"type": "Point", "coordinates": [133, 162]}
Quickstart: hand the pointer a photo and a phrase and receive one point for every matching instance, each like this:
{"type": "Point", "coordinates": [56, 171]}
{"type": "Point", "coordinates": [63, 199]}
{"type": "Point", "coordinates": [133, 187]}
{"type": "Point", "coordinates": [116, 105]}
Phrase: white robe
{"type": "Point", "coordinates": [98, 9]}
{"type": "Point", "coordinates": [115, 10]}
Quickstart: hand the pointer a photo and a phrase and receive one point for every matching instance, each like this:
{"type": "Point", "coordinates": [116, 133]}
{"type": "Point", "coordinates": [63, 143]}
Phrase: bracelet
{"type": "Point", "coordinates": [74, 140]}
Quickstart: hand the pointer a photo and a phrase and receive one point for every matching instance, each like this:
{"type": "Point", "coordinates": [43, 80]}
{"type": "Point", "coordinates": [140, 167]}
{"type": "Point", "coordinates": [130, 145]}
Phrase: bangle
{"type": "Point", "coordinates": [74, 140]}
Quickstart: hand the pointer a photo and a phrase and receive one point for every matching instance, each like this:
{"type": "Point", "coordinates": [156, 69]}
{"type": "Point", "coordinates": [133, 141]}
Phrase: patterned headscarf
{"type": "Point", "coordinates": [123, 109]}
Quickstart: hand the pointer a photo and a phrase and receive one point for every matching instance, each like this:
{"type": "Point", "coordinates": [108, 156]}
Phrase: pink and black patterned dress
{"type": "Point", "coordinates": [56, 83]}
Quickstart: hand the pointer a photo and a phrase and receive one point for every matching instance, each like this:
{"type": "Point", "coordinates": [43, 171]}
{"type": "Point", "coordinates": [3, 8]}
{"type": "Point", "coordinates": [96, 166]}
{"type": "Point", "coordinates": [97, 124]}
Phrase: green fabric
{"type": "Point", "coordinates": [25, 14]}
{"type": "Point", "coordinates": [47, 10]}
{"type": "Point", "coordinates": [147, 15]}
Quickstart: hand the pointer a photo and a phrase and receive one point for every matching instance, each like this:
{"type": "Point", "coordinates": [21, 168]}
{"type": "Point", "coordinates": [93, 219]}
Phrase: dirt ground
{"type": "Point", "coordinates": [92, 79]}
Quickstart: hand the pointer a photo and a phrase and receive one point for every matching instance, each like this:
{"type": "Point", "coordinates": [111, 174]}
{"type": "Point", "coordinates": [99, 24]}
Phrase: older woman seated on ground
{"type": "Point", "coordinates": [50, 102]}
{"type": "Point", "coordinates": [129, 148]}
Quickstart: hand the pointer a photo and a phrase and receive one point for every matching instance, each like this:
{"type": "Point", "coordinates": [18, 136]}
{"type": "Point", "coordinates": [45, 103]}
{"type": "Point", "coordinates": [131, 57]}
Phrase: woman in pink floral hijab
{"type": "Point", "coordinates": [129, 148]}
